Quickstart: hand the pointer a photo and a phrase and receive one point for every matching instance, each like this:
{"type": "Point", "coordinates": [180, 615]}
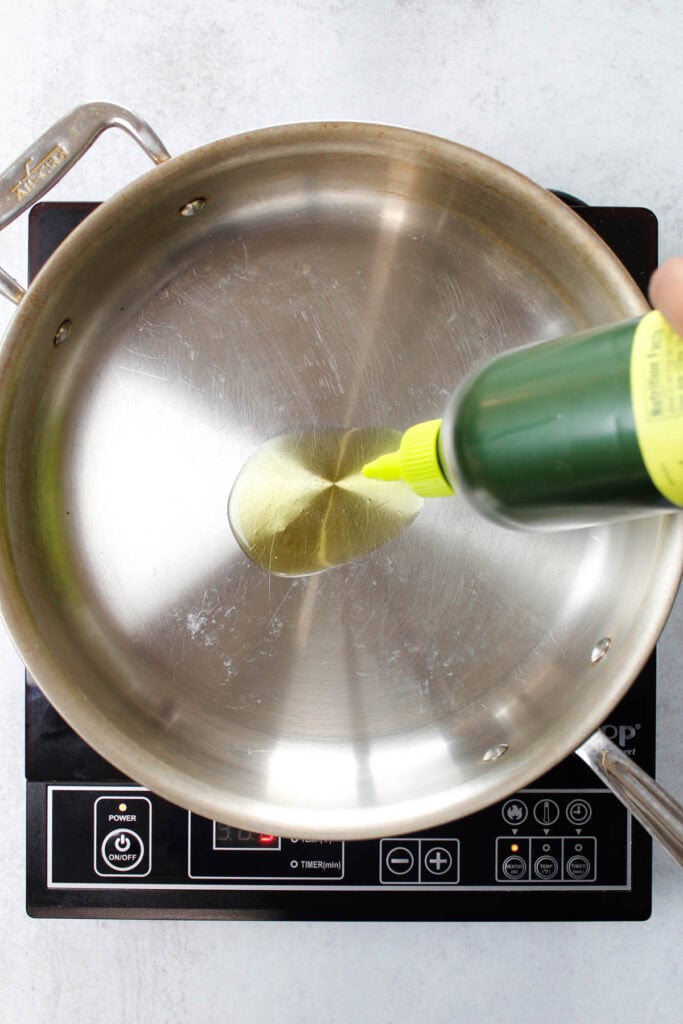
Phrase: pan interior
{"type": "Point", "coordinates": [354, 699]}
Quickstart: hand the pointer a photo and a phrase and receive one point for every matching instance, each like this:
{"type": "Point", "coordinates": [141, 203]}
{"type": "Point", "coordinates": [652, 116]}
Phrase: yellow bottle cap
{"type": "Point", "coordinates": [416, 462]}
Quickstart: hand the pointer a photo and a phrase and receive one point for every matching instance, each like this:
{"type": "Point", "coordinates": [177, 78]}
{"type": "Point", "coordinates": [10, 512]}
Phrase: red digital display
{"type": "Point", "coordinates": [227, 837]}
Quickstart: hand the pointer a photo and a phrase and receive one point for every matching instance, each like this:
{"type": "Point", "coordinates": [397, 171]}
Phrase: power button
{"type": "Point", "coordinates": [122, 850]}
{"type": "Point", "coordinates": [123, 835]}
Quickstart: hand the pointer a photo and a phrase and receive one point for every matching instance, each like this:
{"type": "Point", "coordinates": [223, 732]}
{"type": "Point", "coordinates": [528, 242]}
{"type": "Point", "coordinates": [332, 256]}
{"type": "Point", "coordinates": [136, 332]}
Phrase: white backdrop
{"type": "Point", "coordinates": [579, 95]}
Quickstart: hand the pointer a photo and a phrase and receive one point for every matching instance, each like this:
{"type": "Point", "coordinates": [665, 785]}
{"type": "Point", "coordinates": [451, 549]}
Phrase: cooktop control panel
{"type": "Point", "coordinates": [113, 836]}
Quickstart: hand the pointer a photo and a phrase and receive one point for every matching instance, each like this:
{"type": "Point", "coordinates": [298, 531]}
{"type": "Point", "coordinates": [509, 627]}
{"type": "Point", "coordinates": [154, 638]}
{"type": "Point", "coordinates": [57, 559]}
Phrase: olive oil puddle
{"type": "Point", "coordinates": [301, 504]}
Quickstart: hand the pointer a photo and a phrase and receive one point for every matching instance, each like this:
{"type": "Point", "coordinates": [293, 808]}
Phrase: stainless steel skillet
{"type": "Point", "coordinates": [335, 274]}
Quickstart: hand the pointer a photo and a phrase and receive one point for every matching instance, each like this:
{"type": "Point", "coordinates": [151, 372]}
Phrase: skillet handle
{"type": "Point", "coordinates": [42, 165]}
{"type": "Point", "coordinates": [651, 805]}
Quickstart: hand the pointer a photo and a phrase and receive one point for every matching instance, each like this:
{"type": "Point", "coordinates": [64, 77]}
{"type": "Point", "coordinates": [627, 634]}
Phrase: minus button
{"type": "Point", "coordinates": [400, 860]}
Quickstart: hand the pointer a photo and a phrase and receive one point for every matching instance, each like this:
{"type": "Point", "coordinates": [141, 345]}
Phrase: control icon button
{"type": "Point", "coordinates": [514, 867]}
{"type": "Point", "coordinates": [122, 850]}
{"type": "Point", "coordinates": [546, 812]}
{"type": "Point", "coordinates": [438, 860]}
{"type": "Point", "coordinates": [578, 867]}
{"type": "Point", "coordinates": [579, 812]}
{"type": "Point", "coordinates": [580, 859]}
{"type": "Point", "coordinates": [514, 812]}
{"type": "Point", "coordinates": [123, 835]}
{"type": "Point", "coordinates": [546, 867]}
{"type": "Point", "coordinates": [546, 858]}
{"type": "Point", "coordinates": [400, 860]}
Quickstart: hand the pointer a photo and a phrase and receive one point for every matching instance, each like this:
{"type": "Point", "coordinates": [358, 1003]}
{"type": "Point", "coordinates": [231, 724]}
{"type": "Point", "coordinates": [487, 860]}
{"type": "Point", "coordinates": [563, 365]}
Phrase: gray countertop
{"type": "Point", "coordinates": [579, 96]}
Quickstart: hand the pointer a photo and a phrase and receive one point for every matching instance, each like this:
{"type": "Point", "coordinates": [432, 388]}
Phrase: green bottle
{"type": "Point", "coordinates": [573, 432]}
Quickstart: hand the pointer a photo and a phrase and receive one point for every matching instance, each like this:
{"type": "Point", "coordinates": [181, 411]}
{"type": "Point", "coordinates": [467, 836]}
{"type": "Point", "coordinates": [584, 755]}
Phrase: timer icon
{"type": "Point", "coordinates": [579, 812]}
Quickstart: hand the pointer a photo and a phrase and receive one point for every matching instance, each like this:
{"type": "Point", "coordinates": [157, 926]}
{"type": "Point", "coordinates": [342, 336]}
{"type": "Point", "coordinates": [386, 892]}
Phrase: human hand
{"type": "Point", "coordinates": [666, 292]}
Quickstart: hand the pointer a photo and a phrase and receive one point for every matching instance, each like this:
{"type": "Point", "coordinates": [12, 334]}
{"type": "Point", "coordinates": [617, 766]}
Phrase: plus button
{"type": "Point", "coordinates": [438, 860]}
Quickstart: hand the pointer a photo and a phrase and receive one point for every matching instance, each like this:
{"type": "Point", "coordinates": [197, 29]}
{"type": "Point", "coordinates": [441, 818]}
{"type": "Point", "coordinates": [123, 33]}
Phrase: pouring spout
{"type": "Point", "coordinates": [385, 467]}
{"type": "Point", "coordinates": [416, 462]}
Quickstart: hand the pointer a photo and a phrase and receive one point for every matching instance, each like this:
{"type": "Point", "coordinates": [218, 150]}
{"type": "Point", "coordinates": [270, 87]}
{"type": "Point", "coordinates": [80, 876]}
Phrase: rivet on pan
{"type": "Point", "coordinates": [194, 206]}
{"type": "Point", "coordinates": [601, 649]}
{"type": "Point", "coordinates": [493, 753]}
{"type": "Point", "coordinates": [63, 332]}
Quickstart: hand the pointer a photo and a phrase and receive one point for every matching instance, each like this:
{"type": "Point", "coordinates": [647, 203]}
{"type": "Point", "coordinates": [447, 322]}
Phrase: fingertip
{"type": "Point", "coordinates": [666, 291]}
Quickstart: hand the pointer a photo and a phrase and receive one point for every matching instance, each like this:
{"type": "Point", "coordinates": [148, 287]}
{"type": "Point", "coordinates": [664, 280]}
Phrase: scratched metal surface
{"type": "Point", "coordinates": [327, 283]}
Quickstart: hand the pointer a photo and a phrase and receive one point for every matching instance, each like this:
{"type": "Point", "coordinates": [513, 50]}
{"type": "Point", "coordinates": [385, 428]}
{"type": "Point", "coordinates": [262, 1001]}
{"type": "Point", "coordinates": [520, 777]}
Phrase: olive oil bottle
{"type": "Point", "coordinates": [572, 432]}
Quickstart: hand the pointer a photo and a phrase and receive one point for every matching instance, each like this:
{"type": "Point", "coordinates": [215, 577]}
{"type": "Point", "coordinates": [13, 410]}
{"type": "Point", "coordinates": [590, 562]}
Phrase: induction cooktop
{"type": "Point", "coordinates": [98, 845]}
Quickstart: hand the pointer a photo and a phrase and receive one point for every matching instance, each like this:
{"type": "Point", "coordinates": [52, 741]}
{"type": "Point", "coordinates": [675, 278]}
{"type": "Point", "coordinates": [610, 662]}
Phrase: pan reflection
{"type": "Point", "coordinates": [318, 774]}
{"type": "Point", "coordinates": [150, 476]}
